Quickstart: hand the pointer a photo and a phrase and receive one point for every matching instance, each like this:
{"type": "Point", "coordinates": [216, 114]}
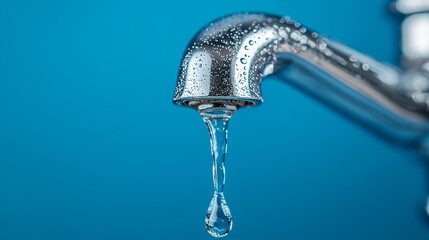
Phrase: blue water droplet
{"type": "Point", "coordinates": [218, 218]}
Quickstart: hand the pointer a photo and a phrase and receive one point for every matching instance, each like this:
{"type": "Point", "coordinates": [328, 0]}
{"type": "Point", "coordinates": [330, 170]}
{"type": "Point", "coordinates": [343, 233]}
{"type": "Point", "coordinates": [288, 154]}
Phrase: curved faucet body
{"type": "Point", "coordinates": [226, 60]}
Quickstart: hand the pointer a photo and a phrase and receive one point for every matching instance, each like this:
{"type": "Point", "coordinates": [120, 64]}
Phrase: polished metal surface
{"type": "Point", "coordinates": [226, 60]}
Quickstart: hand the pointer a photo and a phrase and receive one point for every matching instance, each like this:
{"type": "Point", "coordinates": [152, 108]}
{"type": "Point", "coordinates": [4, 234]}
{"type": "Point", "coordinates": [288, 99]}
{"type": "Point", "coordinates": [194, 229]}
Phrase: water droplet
{"type": "Point", "coordinates": [251, 42]}
{"type": "Point", "coordinates": [282, 33]}
{"type": "Point", "coordinates": [218, 218]}
{"type": "Point", "coordinates": [295, 35]}
{"type": "Point", "coordinates": [322, 46]}
{"type": "Point", "coordinates": [246, 47]}
{"type": "Point", "coordinates": [314, 35]}
{"type": "Point", "coordinates": [243, 60]}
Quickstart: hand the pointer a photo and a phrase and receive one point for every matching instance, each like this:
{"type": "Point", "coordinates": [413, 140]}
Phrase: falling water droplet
{"type": "Point", "coordinates": [218, 218]}
{"type": "Point", "coordinates": [251, 42]}
{"type": "Point", "coordinates": [243, 60]}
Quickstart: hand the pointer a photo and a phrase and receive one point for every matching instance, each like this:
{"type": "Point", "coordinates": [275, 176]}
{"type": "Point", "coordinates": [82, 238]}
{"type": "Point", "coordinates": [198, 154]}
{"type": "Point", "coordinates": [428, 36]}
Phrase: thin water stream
{"type": "Point", "coordinates": [218, 218]}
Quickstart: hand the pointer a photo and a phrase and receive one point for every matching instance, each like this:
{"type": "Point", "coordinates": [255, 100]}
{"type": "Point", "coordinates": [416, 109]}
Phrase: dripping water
{"type": "Point", "coordinates": [218, 218]}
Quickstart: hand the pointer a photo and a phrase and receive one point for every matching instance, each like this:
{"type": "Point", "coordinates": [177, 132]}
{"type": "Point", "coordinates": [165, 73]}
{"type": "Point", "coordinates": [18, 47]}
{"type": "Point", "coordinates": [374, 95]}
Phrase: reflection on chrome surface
{"type": "Point", "coordinates": [226, 61]}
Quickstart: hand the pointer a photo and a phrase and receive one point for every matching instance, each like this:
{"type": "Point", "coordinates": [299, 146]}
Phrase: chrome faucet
{"type": "Point", "coordinates": [226, 61]}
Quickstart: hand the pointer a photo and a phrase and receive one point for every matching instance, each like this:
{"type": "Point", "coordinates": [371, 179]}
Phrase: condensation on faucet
{"type": "Point", "coordinates": [226, 61]}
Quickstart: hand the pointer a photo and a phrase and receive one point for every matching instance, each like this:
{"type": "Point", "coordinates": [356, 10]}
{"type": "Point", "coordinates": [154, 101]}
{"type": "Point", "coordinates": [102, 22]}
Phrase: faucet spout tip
{"type": "Point", "coordinates": [226, 60]}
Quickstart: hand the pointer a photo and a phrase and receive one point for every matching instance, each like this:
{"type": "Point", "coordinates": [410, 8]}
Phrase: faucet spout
{"type": "Point", "coordinates": [226, 60]}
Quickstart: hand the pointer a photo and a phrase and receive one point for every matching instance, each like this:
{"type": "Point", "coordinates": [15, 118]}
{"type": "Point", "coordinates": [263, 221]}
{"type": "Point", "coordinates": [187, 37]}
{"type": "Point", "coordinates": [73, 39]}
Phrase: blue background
{"type": "Point", "coordinates": [91, 146]}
